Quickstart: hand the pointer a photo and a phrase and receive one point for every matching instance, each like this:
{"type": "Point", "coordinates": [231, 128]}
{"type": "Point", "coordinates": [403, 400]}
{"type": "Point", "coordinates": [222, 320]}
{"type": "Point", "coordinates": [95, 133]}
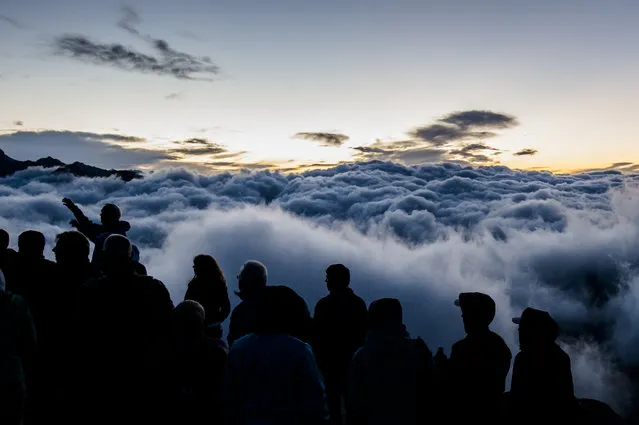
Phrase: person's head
{"type": "Point", "coordinates": [478, 311]}
{"type": "Point", "coordinates": [251, 279]}
{"type": "Point", "coordinates": [385, 312]}
{"type": "Point", "coordinates": [189, 317]}
{"type": "Point", "coordinates": [31, 244]}
{"type": "Point", "coordinates": [4, 239]}
{"type": "Point", "coordinates": [281, 310]}
{"type": "Point", "coordinates": [338, 277]}
{"type": "Point", "coordinates": [71, 248]}
{"type": "Point", "coordinates": [117, 254]}
{"type": "Point", "coordinates": [206, 267]}
{"type": "Point", "coordinates": [537, 329]}
{"type": "Point", "coordinates": [110, 215]}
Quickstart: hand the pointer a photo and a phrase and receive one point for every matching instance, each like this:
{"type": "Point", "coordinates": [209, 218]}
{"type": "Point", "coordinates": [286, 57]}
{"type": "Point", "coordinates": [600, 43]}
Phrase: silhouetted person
{"type": "Point", "coordinates": [542, 385]}
{"type": "Point", "coordinates": [124, 324]}
{"type": "Point", "coordinates": [391, 375]}
{"type": "Point", "coordinates": [272, 377]}
{"type": "Point", "coordinates": [199, 365]}
{"type": "Point", "coordinates": [110, 224]}
{"type": "Point", "coordinates": [73, 270]}
{"type": "Point", "coordinates": [479, 363]}
{"type": "Point", "coordinates": [208, 287]}
{"type": "Point", "coordinates": [340, 325]}
{"type": "Point", "coordinates": [17, 351]}
{"type": "Point", "coordinates": [251, 282]}
{"type": "Point", "coordinates": [7, 256]}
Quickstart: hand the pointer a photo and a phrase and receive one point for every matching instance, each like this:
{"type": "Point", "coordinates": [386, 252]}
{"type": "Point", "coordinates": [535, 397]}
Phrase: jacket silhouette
{"type": "Point", "coordinates": [542, 385]}
{"type": "Point", "coordinates": [123, 325]}
{"type": "Point", "coordinates": [208, 287]}
{"type": "Point", "coordinates": [272, 377]}
{"type": "Point", "coordinates": [251, 282]}
{"type": "Point", "coordinates": [391, 375]}
{"type": "Point", "coordinates": [198, 366]}
{"type": "Point", "coordinates": [17, 353]}
{"type": "Point", "coordinates": [479, 363]}
{"type": "Point", "coordinates": [110, 224]}
{"type": "Point", "coordinates": [7, 257]}
{"type": "Point", "coordinates": [340, 324]}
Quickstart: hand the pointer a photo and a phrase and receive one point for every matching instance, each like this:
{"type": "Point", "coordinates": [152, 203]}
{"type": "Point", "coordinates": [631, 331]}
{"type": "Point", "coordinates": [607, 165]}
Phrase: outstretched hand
{"type": "Point", "coordinates": [68, 203]}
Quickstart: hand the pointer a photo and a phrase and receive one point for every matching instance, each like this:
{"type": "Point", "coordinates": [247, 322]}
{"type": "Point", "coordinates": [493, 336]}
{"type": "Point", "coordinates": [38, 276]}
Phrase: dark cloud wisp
{"type": "Point", "coordinates": [464, 125]}
{"type": "Point", "coordinates": [12, 22]}
{"type": "Point", "coordinates": [526, 152]}
{"type": "Point", "coordinates": [166, 61]}
{"type": "Point", "coordinates": [324, 139]}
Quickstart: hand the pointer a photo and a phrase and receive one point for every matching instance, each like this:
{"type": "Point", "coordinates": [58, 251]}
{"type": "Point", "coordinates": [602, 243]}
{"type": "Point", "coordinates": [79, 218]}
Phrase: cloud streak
{"type": "Point", "coordinates": [166, 61]}
{"type": "Point", "coordinates": [324, 139]}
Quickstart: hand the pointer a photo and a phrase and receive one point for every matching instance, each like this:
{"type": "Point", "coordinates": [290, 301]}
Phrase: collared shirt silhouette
{"type": "Point", "coordinates": [272, 377]}
{"type": "Point", "coordinates": [391, 374]}
{"type": "Point", "coordinates": [480, 362]}
{"type": "Point", "coordinates": [340, 325]}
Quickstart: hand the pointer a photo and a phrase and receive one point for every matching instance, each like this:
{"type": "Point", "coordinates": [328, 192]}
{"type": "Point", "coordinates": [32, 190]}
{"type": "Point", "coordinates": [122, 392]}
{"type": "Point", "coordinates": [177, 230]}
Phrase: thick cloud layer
{"type": "Point", "coordinates": [565, 243]}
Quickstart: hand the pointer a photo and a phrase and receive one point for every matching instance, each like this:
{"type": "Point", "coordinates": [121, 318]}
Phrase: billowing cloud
{"type": "Point", "coordinates": [526, 152]}
{"type": "Point", "coordinates": [166, 61]}
{"type": "Point", "coordinates": [568, 244]}
{"type": "Point", "coordinates": [325, 139]}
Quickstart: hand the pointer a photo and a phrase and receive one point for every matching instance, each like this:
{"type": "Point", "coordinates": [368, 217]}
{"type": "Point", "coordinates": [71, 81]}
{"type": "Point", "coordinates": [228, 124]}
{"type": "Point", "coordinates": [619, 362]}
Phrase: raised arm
{"type": "Point", "coordinates": [81, 222]}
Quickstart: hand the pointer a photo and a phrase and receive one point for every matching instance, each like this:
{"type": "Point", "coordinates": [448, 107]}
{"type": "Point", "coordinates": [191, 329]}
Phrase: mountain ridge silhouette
{"type": "Point", "coordinates": [10, 166]}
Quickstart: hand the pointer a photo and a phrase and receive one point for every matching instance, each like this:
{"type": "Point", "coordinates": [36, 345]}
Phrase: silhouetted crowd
{"type": "Point", "coordinates": [98, 341]}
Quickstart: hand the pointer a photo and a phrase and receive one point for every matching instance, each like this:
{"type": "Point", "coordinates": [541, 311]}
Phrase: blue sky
{"type": "Point", "coordinates": [368, 70]}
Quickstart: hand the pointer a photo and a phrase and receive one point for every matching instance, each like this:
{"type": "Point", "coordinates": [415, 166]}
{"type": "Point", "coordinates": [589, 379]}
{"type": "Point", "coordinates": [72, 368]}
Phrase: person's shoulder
{"type": "Point", "coordinates": [561, 354]}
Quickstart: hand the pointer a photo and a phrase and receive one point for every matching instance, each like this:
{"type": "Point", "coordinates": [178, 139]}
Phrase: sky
{"type": "Point", "coordinates": [295, 84]}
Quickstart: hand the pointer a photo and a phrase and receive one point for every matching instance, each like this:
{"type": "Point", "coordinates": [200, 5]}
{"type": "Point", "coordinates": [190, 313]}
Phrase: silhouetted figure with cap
{"type": "Point", "coordinates": [479, 363]}
{"type": "Point", "coordinates": [17, 352]}
{"type": "Point", "coordinates": [124, 324]}
{"type": "Point", "coordinates": [251, 282]}
{"type": "Point", "coordinates": [391, 375]}
{"type": "Point", "coordinates": [208, 287]}
{"type": "Point", "coordinates": [199, 364]}
{"type": "Point", "coordinates": [110, 224]}
{"type": "Point", "coordinates": [7, 256]}
{"type": "Point", "coordinates": [542, 386]}
{"type": "Point", "coordinates": [272, 377]}
{"type": "Point", "coordinates": [340, 325]}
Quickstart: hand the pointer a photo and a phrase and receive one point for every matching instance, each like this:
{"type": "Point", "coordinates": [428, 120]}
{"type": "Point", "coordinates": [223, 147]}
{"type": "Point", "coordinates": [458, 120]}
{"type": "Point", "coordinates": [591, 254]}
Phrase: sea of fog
{"type": "Point", "coordinates": [568, 244]}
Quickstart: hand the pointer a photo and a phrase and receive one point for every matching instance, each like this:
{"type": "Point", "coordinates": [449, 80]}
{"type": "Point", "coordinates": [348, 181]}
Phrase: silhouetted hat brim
{"type": "Point", "coordinates": [457, 303]}
{"type": "Point", "coordinates": [517, 320]}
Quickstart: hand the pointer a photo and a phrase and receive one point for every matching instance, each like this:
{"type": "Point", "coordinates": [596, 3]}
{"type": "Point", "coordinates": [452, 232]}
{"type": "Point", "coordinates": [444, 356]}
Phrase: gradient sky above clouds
{"type": "Point", "coordinates": [366, 69]}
